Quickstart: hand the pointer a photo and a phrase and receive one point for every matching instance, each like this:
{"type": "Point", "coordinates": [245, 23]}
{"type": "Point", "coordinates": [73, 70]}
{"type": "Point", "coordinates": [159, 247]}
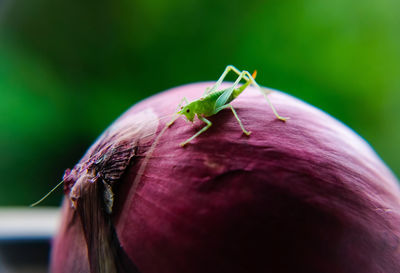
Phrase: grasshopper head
{"type": "Point", "coordinates": [187, 112]}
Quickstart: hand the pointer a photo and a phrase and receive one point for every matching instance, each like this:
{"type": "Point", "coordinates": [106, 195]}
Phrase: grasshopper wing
{"type": "Point", "coordinates": [224, 98]}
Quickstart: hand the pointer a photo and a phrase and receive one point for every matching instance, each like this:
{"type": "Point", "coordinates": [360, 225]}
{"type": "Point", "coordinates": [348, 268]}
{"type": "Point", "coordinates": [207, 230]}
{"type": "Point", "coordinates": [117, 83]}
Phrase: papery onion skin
{"type": "Point", "coordinates": [306, 195]}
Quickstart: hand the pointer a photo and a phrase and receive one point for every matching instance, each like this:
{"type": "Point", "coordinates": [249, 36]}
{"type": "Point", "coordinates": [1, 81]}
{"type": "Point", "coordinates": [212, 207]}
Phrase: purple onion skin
{"type": "Point", "coordinates": [306, 195]}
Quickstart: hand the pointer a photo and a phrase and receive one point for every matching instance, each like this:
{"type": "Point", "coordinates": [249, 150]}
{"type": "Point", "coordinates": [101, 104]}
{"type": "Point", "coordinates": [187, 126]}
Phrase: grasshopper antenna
{"type": "Point", "coordinates": [47, 195]}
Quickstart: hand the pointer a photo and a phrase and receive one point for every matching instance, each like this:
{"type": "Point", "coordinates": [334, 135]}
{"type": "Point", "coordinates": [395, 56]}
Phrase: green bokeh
{"type": "Point", "coordinates": [69, 68]}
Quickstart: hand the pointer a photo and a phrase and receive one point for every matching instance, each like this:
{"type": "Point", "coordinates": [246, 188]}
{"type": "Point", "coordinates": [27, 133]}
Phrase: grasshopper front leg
{"type": "Point", "coordinates": [176, 116]}
{"type": "Point", "coordinates": [199, 132]}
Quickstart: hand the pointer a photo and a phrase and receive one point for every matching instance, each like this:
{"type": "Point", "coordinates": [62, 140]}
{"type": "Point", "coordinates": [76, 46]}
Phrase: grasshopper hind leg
{"type": "Point", "coordinates": [222, 77]}
{"type": "Point", "coordinates": [253, 82]}
{"type": "Point", "coordinates": [248, 77]}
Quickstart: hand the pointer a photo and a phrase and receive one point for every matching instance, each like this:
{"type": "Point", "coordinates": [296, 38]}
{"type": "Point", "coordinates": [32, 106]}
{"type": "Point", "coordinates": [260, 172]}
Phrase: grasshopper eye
{"type": "Point", "coordinates": [187, 110]}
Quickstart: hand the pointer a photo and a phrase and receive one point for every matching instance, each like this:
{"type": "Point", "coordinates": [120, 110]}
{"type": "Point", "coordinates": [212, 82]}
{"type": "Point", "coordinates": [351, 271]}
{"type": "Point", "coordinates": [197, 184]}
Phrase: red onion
{"type": "Point", "coordinates": [306, 195]}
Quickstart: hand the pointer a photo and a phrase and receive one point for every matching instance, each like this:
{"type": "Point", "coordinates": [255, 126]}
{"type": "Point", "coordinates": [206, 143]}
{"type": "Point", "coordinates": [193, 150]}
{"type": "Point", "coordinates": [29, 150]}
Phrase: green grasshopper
{"type": "Point", "coordinates": [214, 100]}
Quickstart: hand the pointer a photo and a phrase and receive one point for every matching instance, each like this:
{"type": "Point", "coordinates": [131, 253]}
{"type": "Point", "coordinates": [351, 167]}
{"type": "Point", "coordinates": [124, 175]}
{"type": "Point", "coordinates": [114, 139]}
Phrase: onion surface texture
{"type": "Point", "coordinates": [306, 195]}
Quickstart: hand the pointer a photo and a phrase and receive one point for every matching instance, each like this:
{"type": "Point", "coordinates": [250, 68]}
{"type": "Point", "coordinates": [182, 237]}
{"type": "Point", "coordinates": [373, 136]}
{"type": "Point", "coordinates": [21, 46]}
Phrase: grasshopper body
{"type": "Point", "coordinates": [215, 100]}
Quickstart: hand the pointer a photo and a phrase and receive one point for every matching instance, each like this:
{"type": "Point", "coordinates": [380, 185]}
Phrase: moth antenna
{"type": "Point", "coordinates": [47, 195]}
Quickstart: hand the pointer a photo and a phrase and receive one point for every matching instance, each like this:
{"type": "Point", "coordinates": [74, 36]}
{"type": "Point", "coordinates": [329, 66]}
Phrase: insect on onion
{"type": "Point", "coordinates": [307, 195]}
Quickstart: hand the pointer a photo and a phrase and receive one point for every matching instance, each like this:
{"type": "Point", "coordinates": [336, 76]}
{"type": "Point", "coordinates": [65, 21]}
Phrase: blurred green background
{"type": "Point", "coordinates": [69, 68]}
